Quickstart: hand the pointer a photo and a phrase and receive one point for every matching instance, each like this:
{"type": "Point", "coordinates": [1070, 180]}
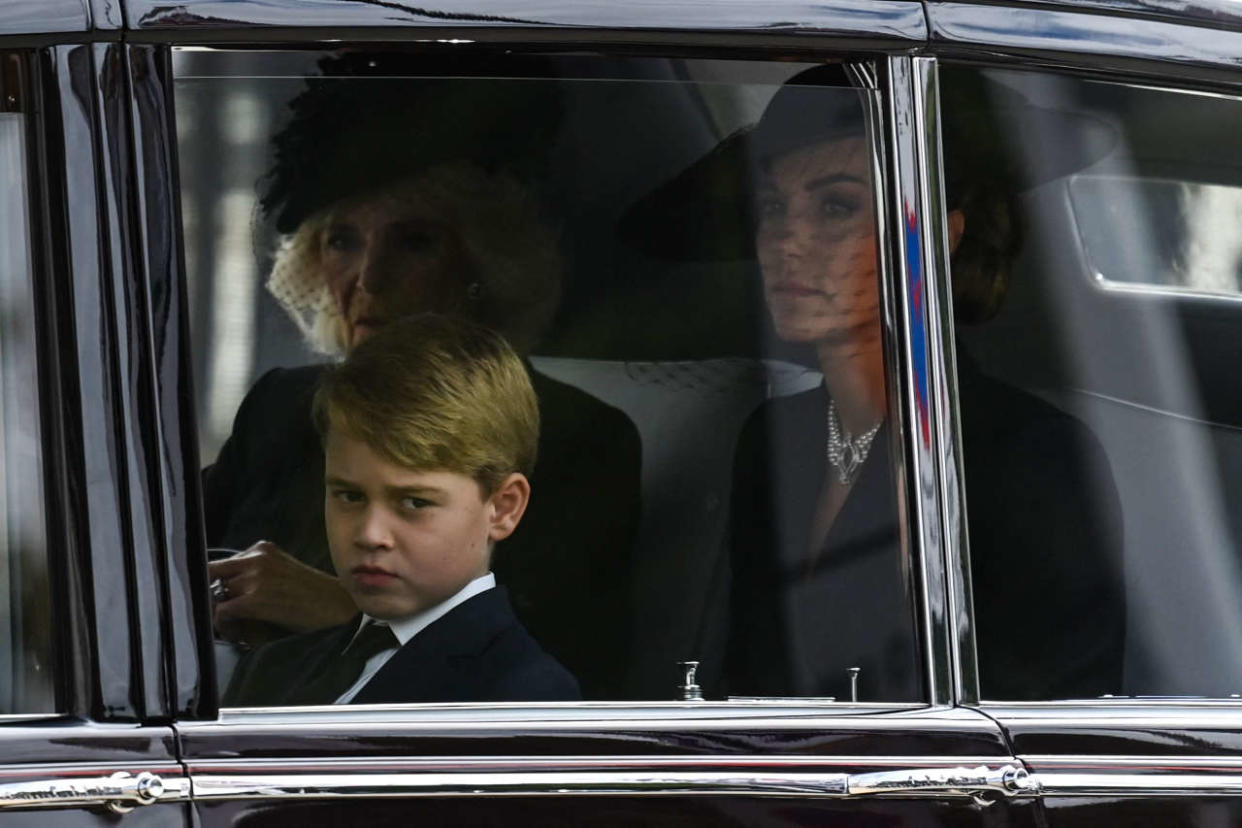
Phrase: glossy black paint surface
{"type": "Point", "coordinates": [1224, 13]}
{"type": "Point", "coordinates": [98, 494]}
{"type": "Point", "coordinates": [61, 430]}
{"type": "Point", "coordinates": [876, 18]}
{"type": "Point", "coordinates": [39, 16]}
{"type": "Point", "coordinates": [107, 14]}
{"type": "Point", "coordinates": [309, 737]}
{"type": "Point", "coordinates": [1072, 36]}
{"type": "Point", "coordinates": [1123, 730]}
{"type": "Point", "coordinates": [142, 552]}
{"type": "Point", "coordinates": [174, 442]}
{"type": "Point", "coordinates": [661, 812]}
{"type": "Point", "coordinates": [56, 749]}
{"type": "Point", "coordinates": [74, 741]}
{"type": "Point", "coordinates": [1076, 812]}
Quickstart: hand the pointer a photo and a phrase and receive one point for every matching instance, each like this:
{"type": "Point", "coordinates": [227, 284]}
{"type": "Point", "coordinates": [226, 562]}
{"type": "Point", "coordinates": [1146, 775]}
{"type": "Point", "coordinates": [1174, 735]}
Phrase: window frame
{"type": "Point", "coordinates": [894, 79]}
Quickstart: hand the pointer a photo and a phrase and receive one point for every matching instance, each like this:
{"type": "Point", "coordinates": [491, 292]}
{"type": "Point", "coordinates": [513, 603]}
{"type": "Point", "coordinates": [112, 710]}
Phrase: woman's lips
{"type": "Point", "coordinates": [371, 322]}
{"type": "Point", "coordinates": [371, 576]}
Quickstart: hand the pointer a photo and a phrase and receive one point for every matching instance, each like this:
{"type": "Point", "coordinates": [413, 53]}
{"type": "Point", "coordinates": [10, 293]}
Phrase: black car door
{"type": "Point", "coordinates": [657, 338]}
{"type": "Point", "coordinates": [1122, 314]}
{"type": "Point", "coordinates": [87, 689]}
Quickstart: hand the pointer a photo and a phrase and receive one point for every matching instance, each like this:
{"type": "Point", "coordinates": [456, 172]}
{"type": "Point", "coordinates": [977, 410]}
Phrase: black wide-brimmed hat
{"type": "Point", "coordinates": [373, 118]}
{"type": "Point", "coordinates": [991, 136]}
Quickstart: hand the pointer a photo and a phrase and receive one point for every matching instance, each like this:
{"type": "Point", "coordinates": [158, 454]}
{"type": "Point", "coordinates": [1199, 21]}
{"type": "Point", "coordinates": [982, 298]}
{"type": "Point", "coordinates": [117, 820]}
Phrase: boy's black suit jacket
{"type": "Point", "coordinates": [267, 484]}
{"type": "Point", "coordinates": [477, 652]}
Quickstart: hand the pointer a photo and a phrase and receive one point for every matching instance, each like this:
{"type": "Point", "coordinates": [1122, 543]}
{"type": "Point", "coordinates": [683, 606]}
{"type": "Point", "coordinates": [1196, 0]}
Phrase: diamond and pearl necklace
{"type": "Point", "coordinates": [846, 454]}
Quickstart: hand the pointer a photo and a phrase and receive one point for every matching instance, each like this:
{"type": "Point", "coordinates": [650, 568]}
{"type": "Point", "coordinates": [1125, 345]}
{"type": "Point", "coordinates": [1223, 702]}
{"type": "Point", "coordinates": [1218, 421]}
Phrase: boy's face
{"type": "Point", "coordinates": [404, 540]}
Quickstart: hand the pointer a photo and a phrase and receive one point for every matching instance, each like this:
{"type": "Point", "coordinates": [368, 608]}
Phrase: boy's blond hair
{"type": "Point", "coordinates": [435, 393]}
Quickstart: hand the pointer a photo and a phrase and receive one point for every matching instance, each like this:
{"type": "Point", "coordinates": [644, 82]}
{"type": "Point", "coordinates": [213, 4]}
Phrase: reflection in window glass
{"type": "Point", "coordinates": [25, 605]}
{"type": "Point", "coordinates": [1100, 427]}
{"type": "Point", "coordinates": [684, 257]}
{"type": "Point", "coordinates": [1189, 226]}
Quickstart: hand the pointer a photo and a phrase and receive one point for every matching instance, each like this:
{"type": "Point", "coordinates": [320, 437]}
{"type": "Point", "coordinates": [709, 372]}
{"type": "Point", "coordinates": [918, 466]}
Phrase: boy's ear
{"type": "Point", "coordinates": [508, 504]}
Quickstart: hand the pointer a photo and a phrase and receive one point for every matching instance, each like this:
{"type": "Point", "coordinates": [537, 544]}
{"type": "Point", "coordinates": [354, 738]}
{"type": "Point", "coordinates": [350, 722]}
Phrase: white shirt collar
{"type": "Point", "coordinates": [406, 628]}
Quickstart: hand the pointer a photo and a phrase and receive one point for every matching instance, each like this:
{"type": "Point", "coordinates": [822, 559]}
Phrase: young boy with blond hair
{"type": "Point", "coordinates": [429, 429]}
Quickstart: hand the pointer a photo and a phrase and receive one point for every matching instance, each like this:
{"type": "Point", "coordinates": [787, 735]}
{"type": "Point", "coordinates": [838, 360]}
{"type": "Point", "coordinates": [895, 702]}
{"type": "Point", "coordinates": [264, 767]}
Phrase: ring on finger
{"type": "Point", "coordinates": [220, 590]}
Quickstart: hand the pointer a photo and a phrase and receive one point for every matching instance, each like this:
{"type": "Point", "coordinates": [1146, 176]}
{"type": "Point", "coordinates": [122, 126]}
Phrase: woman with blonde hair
{"type": "Point", "coordinates": [407, 197]}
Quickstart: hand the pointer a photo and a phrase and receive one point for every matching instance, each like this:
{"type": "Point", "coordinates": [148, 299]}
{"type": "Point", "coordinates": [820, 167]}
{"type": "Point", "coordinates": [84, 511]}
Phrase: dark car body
{"type": "Point", "coordinates": [135, 727]}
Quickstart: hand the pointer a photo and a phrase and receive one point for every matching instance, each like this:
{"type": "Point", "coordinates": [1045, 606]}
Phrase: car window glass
{"type": "Point", "coordinates": [25, 601]}
{"type": "Point", "coordinates": [1100, 427]}
{"type": "Point", "coordinates": [678, 255]}
{"type": "Point", "coordinates": [1192, 248]}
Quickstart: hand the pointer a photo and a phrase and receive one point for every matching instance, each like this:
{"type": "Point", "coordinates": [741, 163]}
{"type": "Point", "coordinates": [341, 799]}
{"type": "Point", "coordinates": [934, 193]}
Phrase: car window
{"type": "Point", "coordinates": [1192, 249]}
{"type": "Point", "coordinates": [1100, 427]}
{"type": "Point", "coordinates": [684, 257]}
{"type": "Point", "coordinates": [26, 668]}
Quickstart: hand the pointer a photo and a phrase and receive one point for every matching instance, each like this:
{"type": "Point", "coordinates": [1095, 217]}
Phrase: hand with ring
{"type": "Point", "coordinates": [220, 590]}
{"type": "Point", "coordinates": [263, 592]}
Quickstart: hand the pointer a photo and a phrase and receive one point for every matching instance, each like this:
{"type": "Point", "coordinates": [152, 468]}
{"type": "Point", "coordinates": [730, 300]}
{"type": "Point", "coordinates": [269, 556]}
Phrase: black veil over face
{"type": "Point", "coordinates": [706, 212]}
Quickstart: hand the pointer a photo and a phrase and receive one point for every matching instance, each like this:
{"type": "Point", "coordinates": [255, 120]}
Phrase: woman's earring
{"type": "Point", "coordinates": [475, 289]}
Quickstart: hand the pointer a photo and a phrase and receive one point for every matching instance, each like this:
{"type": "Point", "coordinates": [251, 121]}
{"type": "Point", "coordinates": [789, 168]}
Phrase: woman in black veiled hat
{"type": "Point", "coordinates": [818, 581]}
{"type": "Point", "coordinates": [398, 195]}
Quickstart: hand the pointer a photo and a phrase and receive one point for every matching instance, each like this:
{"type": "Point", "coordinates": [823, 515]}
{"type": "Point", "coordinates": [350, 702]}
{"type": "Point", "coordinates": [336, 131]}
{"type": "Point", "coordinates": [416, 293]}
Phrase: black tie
{"type": "Point", "coordinates": [340, 673]}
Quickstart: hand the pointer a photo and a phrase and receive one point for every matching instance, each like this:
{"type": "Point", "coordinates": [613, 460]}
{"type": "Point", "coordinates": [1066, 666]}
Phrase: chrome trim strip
{"type": "Point", "coordinates": [1137, 775]}
{"type": "Point", "coordinates": [1122, 784]}
{"type": "Point", "coordinates": [1132, 764]}
{"type": "Point", "coordinates": [748, 776]}
{"type": "Point", "coordinates": [529, 764]}
{"type": "Point", "coordinates": [918, 358]}
{"type": "Point", "coordinates": [601, 717]}
{"type": "Point", "coordinates": [335, 786]}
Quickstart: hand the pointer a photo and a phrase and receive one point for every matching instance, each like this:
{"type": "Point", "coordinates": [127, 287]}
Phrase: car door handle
{"type": "Point", "coordinates": [120, 792]}
{"type": "Point", "coordinates": [982, 783]}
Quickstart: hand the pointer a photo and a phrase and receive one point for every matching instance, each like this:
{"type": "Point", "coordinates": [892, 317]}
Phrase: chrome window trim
{"type": "Point", "coordinates": [895, 315]}
{"type": "Point", "coordinates": [603, 717]}
{"type": "Point", "coordinates": [520, 763]}
{"type": "Point", "coordinates": [918, 352]}
{"type": "Point", "coordinates": [950, 474]}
